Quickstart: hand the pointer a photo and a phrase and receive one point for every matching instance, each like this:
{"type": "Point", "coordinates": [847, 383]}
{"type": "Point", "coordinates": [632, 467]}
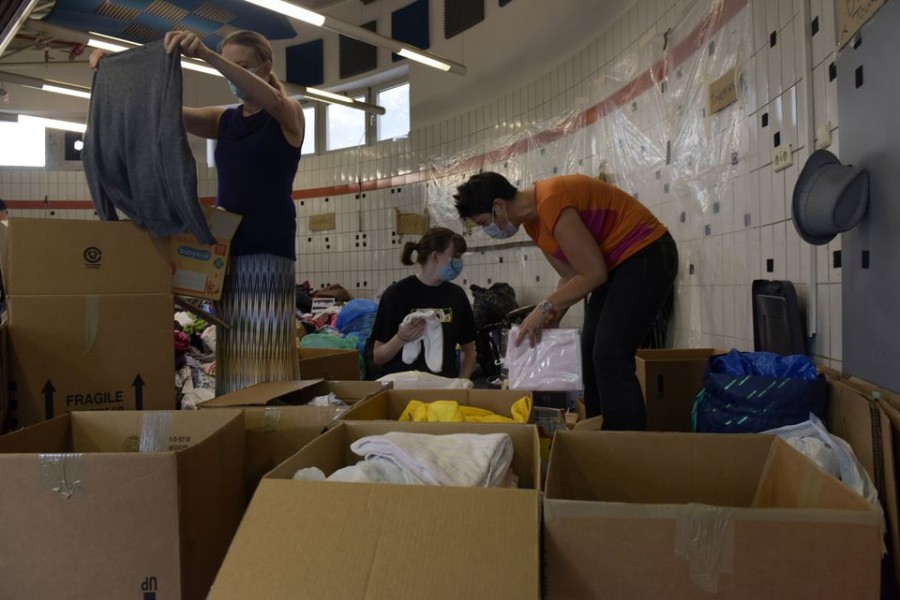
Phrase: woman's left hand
{"type": "Point", "coordinates": [531, 328]}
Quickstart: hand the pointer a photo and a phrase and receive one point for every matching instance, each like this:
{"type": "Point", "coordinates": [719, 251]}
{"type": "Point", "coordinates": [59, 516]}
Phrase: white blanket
{"type": "Point", "coordinates": [460, 459]}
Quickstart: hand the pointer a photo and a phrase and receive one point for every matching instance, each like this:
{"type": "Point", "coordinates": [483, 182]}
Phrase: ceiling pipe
{"type": "Point", "coordinates": [16, 23]}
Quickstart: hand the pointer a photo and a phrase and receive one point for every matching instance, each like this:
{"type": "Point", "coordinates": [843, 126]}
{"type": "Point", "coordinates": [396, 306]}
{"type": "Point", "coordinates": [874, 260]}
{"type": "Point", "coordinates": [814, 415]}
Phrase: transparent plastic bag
{"type": "Point", "coordinates": [554, 364]}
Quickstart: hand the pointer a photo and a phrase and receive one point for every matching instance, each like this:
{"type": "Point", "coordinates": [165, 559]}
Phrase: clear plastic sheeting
{"type": "Point", "coordinates": [156, 430]}
{"type": "Point", "coordinates": [554, 364]}
{"type": "Point", "coordinates": [648, 129]}
{"type": "Point", "coordinates": [61, 473]}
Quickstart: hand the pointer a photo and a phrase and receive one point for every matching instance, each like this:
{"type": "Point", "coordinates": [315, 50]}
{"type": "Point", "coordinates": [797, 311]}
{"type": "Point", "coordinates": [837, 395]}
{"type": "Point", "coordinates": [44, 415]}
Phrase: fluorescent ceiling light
{"type": "Point", "coordinates": [329, 95]}
{"type": "Point", "coordinates": [425, 60]}
{"type": "Point", "coordinates": [291, 10]}
{"type": "Point", "coordinates": [53, 123]}
{"type": "Point", "coordinates": [358, 33]}
{"type": "Point", "coordinates": [67, 91]}
{"type": "Point", "coordinates": [104, 45]}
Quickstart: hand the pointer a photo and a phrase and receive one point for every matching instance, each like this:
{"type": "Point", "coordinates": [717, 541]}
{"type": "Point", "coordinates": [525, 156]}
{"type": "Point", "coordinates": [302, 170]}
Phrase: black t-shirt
{"type": "Point", "coordinates": [410, 295]}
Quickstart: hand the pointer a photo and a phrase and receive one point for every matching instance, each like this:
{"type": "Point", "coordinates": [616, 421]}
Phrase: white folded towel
{"type": "Point", "coordinates": [459, 459]}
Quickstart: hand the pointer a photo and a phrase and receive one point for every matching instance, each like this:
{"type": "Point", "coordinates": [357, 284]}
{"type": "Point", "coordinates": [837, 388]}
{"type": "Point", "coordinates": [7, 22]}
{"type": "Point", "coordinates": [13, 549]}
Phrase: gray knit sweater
{"type": "Point", "coordinates": [136, 155]}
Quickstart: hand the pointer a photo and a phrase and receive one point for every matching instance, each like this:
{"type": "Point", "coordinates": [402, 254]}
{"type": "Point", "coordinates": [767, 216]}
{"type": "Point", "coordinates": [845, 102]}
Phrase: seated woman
{"type": "Point", "coordinates": [427, 307]}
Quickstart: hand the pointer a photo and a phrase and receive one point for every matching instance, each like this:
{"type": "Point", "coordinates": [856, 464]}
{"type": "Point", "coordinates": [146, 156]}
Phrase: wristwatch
{"type": "Point", "coordinates": [546, 307]}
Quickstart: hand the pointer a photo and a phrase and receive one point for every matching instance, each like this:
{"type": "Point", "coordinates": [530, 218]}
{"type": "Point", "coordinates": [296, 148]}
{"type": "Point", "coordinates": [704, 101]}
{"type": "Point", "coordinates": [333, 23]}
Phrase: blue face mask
{"type": "Point", "coordinates": [451, 270]}
{"type": "Point", "coordinates": [238, 92]}
{"type": "Point", "coordinates": [496, 232]}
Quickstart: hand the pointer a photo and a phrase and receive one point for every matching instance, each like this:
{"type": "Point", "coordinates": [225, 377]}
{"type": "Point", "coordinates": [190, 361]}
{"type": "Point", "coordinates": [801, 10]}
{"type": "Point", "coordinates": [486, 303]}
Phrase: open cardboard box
{"type": "Point", "coordinates": [119, 504]}
{"type": "Point", "coordinates": [673, 515]}
{"type": "Point", "coordinates": [330, 540]}
{"type": "Point", "coordinates": [328, 363]}
{"type": "Point", "coordinates": [390, 406]}
{"type": "Point", "coordinates": [278, 423]}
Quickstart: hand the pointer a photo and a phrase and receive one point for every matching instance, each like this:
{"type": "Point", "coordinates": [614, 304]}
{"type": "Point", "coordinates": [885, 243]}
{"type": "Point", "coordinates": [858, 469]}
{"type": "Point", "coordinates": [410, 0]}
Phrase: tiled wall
{"type": "Point", "coordinates": [730, 231]}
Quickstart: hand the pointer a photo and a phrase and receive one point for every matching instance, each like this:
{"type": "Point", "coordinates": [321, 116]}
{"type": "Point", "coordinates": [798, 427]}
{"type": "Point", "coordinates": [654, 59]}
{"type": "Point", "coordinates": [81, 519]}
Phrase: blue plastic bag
{"type": "Point", "coordinates": [357, 318]}
{"type": "Point", "coordinates": [749, 392]}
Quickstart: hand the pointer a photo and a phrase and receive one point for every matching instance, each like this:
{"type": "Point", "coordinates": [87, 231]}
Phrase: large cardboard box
{"type": "Point", "coordinates": [329, 363]}
{"type": "Point", "coordinates": [90, 352]}
{"type": "Point", "coordinates": [278, 424]}
{"type": "Point", "coordinates": [670, 380]}
{"type": "Point", "coordinates": [329, 540]}
{"type": "Point", "coordinates": [860, 413]}
{"type": "Point", "coordinates": [199, 269]}
{"type": "Point", "coordinates": [675, 515]}
{"type": "Point", "coordinates": [119, 504]}
{"type": "Point", "coordinates": [391, 404]}
{"type": "Point", "coordinates": [43, 257]}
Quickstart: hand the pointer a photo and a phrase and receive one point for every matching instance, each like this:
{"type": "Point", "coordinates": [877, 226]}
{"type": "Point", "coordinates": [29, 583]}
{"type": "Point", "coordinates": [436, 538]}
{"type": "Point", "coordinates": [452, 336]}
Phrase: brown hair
{"type": "Point", "coordinates": [435, 239]}
{"type": "Point", "coordinates": [262, 48]}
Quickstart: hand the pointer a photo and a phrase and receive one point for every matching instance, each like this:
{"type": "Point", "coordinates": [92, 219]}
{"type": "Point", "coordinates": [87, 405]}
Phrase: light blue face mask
{"type": "Point", "coordinates": [495, 231]}
{"type": "Point", "coordinates": [238, 92]}
{"type": "Point", "coordinates": [451, 270]}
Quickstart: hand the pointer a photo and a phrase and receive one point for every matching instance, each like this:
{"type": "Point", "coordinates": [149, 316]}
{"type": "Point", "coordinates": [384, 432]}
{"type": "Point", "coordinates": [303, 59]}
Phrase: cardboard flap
{"type": "Point", "coordinates": [54, 435]}
{"type": "Point", "coordinates": [262, 394]}
{"type": "Point", "coordinates": [345, 540]}
{"type": "Point", "coordinates": [146, 430]}
{"type": "Point", "coordinates": [656, 468]}
{"type": "Point", "coordinates": [790, 480]}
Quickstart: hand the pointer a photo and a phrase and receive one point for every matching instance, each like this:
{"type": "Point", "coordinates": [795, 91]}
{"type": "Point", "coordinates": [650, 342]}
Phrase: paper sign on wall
{"type": "Point", "coordinates": [850, 15]}
{"type": "Point", "coordinates": [723, 91]}
{"type": "Point", "coordinates": [323, 222]}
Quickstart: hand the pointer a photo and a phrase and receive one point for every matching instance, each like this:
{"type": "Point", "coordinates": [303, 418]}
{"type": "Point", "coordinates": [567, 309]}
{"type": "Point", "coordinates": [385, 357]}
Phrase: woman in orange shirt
{"type": "Point", "coordinates": [604, 244]}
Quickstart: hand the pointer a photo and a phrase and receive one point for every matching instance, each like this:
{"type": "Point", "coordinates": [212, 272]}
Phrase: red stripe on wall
{"type": "Point", "coordinates": [621, 97]}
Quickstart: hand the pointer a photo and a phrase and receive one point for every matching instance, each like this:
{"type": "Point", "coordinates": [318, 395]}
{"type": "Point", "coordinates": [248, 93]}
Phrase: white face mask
{"type": "Point", "coordinates": [496, 232]}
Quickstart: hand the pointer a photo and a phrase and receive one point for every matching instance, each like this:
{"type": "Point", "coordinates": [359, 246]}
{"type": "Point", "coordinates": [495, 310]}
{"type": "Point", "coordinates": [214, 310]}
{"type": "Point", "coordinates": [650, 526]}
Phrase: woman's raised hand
{"type": "Point", "coordinates": [187, 41]}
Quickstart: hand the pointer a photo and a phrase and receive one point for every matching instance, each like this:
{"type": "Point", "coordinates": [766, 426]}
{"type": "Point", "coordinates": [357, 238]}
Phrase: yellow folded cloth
{"type": "Point", "coordinates": [449, 411]}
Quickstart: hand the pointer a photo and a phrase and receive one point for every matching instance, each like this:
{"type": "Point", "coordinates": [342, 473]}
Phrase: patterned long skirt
{"type": "Point", "coordinates": [258, 301]}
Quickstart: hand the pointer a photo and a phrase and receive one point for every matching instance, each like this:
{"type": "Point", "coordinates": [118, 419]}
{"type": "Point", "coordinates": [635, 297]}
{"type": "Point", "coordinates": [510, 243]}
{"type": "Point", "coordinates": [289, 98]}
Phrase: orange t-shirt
{"type": "Point", "coordinates": [620, 224]}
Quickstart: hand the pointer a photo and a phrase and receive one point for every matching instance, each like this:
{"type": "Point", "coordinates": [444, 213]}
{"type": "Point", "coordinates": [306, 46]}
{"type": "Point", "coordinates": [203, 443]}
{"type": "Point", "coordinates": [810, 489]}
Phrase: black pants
{"type": "Point", "coordinates": [619, 315]}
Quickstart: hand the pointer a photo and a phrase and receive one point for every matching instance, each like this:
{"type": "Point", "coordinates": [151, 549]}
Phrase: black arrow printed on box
{"type": "Point", "coordinates": [138, 384]}
{"type": "Point", "coordinates": [48, 390]}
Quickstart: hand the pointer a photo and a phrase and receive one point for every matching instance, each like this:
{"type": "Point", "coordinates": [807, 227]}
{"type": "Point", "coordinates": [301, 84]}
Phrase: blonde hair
{"type": "Point", "coordinates": [260, 45]}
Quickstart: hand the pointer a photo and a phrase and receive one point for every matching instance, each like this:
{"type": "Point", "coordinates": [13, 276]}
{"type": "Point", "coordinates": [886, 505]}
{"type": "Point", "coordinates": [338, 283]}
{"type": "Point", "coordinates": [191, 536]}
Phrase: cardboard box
{"type": "Point", "coordinates": [670, 380]}
{"type": "Point", "coordinates": [199, 270]}
{"type": "Point", "coordinates": [87, 352]}
{"type": "Point", "coordinates": [4, 378]}
{"type": "Point", "coordinates": [391, 404]}
{"type": "Point", "coordinates": [329, 363]}
{"type": "Point", "coordinates": [857, 414]}
{"type": "Point", "coordinates": [42, 257]}
{"type": "Point", "coordinates": [278, 425]}
{"type": "Point", "coordinates": [85, 515]}
{"type": "Point", "coordinates": [330, 540]}
{"type": "Point", "coordinates": [677, 515]}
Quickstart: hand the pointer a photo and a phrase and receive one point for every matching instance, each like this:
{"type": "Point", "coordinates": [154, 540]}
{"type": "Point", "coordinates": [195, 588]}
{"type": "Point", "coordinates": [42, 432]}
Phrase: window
{"type": "Point", "coordinates": [309, 140]}
{"type": "Point", "coordinates": [394, 123]}
{"type": "Point", "coordinates": [28, 150]}
{"type": "Point", "coordinates": [345, 127]}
